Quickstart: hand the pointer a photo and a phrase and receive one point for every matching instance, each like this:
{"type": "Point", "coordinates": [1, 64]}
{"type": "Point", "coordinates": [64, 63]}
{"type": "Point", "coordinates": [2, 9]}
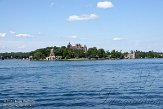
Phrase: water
{"type": "Point", "coordinates": [106, 84]}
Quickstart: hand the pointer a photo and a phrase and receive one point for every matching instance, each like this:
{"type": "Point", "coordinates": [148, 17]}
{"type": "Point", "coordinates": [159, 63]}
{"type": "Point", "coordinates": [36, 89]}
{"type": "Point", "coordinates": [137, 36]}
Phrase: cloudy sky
{"type": "Point", "coordinates": [125, 25]}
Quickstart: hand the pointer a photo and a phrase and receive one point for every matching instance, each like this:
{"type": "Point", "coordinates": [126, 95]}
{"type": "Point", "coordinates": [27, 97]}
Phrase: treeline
{"type": "Point", "coordinates": [14, 55]}
{"type": "Point", "coordinates": [150, 54]}
{"type": "Point", "coordinates": [68, 53]}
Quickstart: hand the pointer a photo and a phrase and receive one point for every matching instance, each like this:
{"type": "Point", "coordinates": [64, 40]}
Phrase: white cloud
{"type": "Point", "coordinates": [82, 17]}
{"type": "Point", "coordinates": [2, 34]}
{"type": "Point", "coordinates": [12, 32]}
{"type": "Point", "coordinates": [105, 4]}
{"type": "Point", "coordinates": [24, 35]}
{"type": "Point", "coordinates": [117, 38]}
{"type": "Point", "coordinates": [74, 37]}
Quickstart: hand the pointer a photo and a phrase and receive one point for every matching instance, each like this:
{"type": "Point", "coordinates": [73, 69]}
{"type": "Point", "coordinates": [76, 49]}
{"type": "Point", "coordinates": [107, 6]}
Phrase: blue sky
{"type": "Point", "coordinates": [125, 25]}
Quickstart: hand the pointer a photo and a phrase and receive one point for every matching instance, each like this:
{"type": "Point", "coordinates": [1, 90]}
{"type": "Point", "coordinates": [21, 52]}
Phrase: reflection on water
{"type": "Point", "coordinates": [117, 84]}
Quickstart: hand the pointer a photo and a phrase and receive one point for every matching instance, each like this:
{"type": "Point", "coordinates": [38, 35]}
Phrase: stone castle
{"type": "Point", "coordinates": [77, 46]}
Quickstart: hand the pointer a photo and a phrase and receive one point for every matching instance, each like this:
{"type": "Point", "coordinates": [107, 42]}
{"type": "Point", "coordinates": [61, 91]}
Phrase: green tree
{"type": "Point", "coordinates": [92, 52]}
{"type": "Point", "coordinates": [65, 53]}
{"type": "Point", "coordinates": [38, 55]}
{"type": "Point", "coordinates": [116, 55]}
{"type": "Point", "coordinates": [101, 53]}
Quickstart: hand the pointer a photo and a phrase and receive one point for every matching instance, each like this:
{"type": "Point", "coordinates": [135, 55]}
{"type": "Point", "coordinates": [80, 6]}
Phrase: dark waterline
{"type": "Point", "coordinates": [103, 84]}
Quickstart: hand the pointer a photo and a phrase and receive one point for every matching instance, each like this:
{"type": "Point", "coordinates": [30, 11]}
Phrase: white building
{"type": "Point", "coordinates": [131, 55]}
{"type": "Point", "coordinates": [51, 56]}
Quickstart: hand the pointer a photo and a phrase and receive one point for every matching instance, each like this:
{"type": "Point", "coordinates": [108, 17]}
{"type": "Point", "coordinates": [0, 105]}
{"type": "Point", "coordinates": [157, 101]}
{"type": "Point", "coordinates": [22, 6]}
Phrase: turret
{"type": "Point", "coordinates": [69, 45]}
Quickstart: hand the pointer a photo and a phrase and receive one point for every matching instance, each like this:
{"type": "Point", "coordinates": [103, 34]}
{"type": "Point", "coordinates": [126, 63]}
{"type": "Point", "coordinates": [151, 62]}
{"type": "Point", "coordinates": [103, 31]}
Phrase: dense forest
{"type": "Point", "coordinates": [67, 53]}
{"type": "Point", "coordinates": [14, 55]}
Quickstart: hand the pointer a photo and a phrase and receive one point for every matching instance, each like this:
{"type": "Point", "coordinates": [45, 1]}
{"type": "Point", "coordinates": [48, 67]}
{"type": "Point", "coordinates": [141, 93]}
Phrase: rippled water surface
{"type": "Point", "coordinates": [106, 84]}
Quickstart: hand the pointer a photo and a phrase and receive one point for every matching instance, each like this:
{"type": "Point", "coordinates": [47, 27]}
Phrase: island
{"type": "Point", "coordinates": [78, 52]}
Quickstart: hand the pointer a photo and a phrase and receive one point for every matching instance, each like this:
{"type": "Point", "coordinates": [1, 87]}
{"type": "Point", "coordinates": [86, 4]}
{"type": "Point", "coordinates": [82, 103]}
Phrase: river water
{"type": "Point", "coordinates": [101, 84]}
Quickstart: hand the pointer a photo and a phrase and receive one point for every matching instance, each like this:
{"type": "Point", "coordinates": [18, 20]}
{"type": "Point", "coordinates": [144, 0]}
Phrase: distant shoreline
{"type": "Point", "coordinates": [73, 59]}
{"type": "Point", "coordinates": [80, 59]}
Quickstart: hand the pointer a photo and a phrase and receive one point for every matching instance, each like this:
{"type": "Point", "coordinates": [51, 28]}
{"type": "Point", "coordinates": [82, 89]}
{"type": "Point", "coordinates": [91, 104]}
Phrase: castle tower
{"type": "Point", "coordinates": [85, 48]}
{"type": "Point", "coordinates": [69, 45]}
{"type": "Point", "coordinates": [51, 56]}
{"type": "Point", "coordinates": [52, 52]}
{"type": "Point", "coordinates": [134, 56]}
